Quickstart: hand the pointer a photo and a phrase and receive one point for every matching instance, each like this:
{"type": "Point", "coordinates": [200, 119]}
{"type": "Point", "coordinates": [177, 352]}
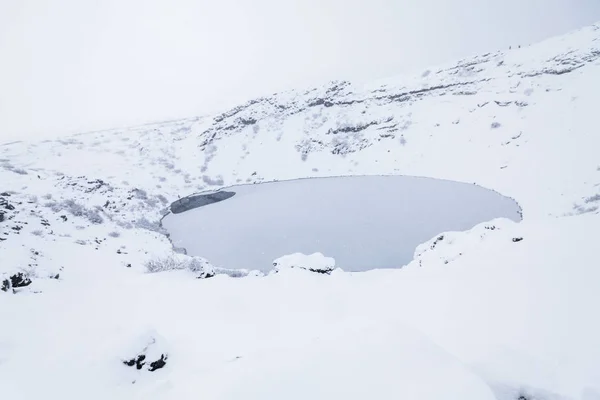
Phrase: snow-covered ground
{"type": "Point", "coordinates": [363, 222]}
{"type": "Point", "coordinates": [501, 311]}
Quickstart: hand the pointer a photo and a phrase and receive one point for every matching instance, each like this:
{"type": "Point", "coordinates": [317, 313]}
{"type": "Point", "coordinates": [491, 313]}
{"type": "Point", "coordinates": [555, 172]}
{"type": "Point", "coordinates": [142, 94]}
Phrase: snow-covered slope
{"type": "Point", "coordinates": [501, 311]}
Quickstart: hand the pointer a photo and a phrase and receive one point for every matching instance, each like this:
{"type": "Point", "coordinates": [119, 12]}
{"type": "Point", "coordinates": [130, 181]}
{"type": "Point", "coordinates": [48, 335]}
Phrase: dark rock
{"type": "Point", "coordinates": [199, 200]}
{"type": "Point", "coordinates": [137, 361]}
{"type": "Point", "coordinates": [158, 364]}
{"type": "Point", "coordinates": [320, 102]}
{"type": "Point", "coordinates": [206, 275]}
{"type": "Point", "coordinates": [6, 205]}
{"type": "Point", "coordinates": [236, 110]}
{"type": "Point", "coordinates": [550, 71]}
{"type": "Point", "coordinates": [15, 281]}
{"type": "Point", "coordinates": [356, 128]}
{"type": "Point", "coordinates": [247, 121]}
{"type": "Point", "coordinates": [436, 241]}
{"type": "Point", "coordinates": [97, 184]}
{"type": "Point", "coordinates": [419, 92]}
{"type": "Point", "coordinates": [517, 239]}
{"type": "Point", "coordinates": [64, 218]}
{"type": "Point", "coordinates": [20, 280]}
{"type": "Point", "coordinates": [324, 271]}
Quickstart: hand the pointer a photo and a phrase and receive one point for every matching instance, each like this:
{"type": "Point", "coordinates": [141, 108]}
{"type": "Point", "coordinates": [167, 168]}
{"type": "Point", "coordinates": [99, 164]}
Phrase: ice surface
{"type": "Point", "coordinates": [364, 222]}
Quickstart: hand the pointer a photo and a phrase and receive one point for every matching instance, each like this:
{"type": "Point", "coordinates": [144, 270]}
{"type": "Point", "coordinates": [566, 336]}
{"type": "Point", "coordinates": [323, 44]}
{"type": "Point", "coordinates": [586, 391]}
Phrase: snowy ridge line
{"type": "Point", "coordinates": [571, 60]}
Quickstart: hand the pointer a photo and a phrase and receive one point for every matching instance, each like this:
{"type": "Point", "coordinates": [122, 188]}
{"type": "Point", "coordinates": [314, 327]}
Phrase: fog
{"type": "Point", "coordinates": [76, 65]}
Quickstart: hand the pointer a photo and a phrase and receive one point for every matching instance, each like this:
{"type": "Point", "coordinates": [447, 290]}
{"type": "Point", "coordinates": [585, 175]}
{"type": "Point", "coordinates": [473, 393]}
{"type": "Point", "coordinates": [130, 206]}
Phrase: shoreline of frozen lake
{"type": "Point", "coordinates": [364, 222]}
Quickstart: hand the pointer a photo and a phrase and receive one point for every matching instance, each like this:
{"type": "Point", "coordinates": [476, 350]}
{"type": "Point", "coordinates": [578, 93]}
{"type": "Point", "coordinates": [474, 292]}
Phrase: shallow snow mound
{"type": "Point", "coordinates": [315, 262]}
{"type": "Point", "coordinates": [372, 363]}
{"type": "Point", "coordinates": [449, 246]}
{"type": "Point", "coordinates": [197, 265]}
{"type": "Point", "coordinates": [147, 352]}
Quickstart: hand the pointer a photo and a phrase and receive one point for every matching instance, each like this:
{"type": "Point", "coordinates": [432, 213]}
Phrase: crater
{"type": "Point", "coordinates": [364, 222]}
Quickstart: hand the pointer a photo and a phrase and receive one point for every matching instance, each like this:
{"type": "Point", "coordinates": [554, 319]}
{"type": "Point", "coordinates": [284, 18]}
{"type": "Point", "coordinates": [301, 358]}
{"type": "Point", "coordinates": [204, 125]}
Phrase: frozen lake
{"type": "Point", "coordinates": [364, 222]}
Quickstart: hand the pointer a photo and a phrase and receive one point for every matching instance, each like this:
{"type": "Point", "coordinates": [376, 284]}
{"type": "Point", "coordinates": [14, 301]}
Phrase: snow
{"type": "Point", "coordinates": [340, 365]}
{"type": "Point", "coordinates": [500, 310]}
{"type": "Point", "coordinates": [315, 262]}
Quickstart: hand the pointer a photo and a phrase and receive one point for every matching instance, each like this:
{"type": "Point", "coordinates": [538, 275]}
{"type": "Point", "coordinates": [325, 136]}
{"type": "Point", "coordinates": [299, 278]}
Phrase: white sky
{"type": "Point", "coordinates": [68, 66]}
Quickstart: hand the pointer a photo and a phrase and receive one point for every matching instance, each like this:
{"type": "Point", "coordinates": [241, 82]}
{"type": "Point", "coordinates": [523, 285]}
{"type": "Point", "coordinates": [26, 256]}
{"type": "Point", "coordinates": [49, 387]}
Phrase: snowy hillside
{"type": "Point", "coordinates": [503, 311]}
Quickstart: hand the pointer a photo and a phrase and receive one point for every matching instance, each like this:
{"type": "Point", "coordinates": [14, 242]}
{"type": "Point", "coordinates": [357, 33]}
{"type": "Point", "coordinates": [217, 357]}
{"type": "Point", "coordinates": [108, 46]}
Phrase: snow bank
{"type": "Point", "coordinates": [148, 352]}
{"type": "Point", "coordinates": [315, 262]}
{"type": "Point", "coordinates": [447, 247]}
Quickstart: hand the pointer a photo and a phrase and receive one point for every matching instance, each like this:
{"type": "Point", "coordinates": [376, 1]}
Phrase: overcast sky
{"type": "Point", "coordinates": [68, 66]}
